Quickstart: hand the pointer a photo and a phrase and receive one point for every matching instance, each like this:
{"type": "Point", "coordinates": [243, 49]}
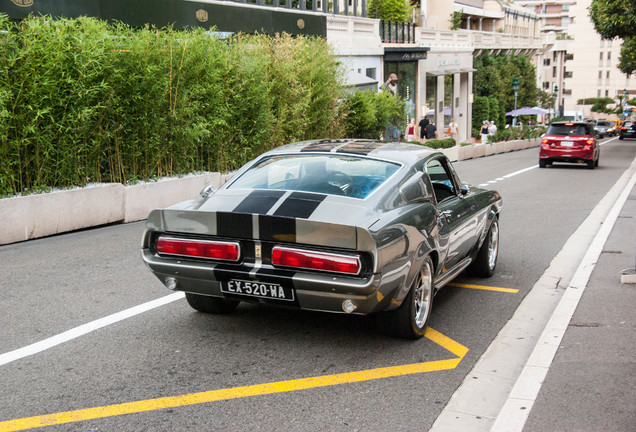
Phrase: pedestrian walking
{"type": "Point", "coordinates": [391, 84]}
{"type": "Point", "coordinates": [453, 129]}
{"type": "Point", "coordinates": [423, 123]}
{"type": "Point", "coordinates": [492, 129]}
{"type": "Point", "coordinates": [431, 131]}
{"type": "Point", "coordinates": [484, 132]}
{"type": "Point", "coordinates": [410, 131]}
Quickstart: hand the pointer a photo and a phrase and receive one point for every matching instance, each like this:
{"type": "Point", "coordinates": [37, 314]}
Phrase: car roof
{"type": "Point", "coordinates": [403, 153]}
{"type": "Point", "coordinates": [564, 122]}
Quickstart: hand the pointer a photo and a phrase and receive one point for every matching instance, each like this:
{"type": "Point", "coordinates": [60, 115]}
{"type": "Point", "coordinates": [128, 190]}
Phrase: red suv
{"type": "Point", "coordinates": [569, 142]}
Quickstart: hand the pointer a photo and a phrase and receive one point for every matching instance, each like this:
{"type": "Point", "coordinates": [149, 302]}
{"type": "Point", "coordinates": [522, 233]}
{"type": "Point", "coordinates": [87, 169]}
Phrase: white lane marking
{"type": "Point", "coordinates": [515, 412]}
{"type": "Point", "coordinates": [497, 372]}
{"type": "Point", "coordinates": [507, 176]}
{"type": "Point", "coordinates": [86, 328]}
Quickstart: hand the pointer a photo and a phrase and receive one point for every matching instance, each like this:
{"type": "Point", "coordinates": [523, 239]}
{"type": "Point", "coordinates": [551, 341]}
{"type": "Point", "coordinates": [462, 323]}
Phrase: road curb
{"type": "Point", "coordinates": [478, 402]}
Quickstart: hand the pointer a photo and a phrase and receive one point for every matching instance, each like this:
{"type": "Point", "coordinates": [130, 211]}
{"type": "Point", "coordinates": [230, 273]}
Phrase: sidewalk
{"type": "Point", "coordinates": [591, 383]}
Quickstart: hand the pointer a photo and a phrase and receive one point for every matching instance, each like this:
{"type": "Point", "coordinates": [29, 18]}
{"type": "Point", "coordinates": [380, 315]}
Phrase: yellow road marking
{"type": "Point", "coordinates": [487, 288]}
{"type": "Point", "coordinates": [245, 391]}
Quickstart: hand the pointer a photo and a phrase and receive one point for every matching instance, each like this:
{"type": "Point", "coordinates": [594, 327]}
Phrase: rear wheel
{"type": "Point", "coordinates": [486, 260]}
{"type": "Point", "coordinates": [211, 305]}
{"type": "Point", "coordinates": [590, 164]}
{"type": "Point", "coordinates": [409, 320]}
{"type": "Point", "coordinates": [542, 163]}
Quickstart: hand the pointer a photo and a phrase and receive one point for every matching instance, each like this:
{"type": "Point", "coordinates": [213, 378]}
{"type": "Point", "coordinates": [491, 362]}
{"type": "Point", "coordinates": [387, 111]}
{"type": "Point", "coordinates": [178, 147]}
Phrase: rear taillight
{"type": "Point", "coordinates": [219, 250]}
{"type": "Point", "coordinates": [298, 258]}
{"type": "Point", "coordinates": [589, 142]}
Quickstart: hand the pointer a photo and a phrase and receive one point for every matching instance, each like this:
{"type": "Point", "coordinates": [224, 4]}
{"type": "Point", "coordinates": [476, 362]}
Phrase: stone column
{"type": "Point", "coordinates": [439, 106]}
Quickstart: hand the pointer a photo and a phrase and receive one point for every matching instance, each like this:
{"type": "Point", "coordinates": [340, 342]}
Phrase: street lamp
{"type": "Point", "coordinates": [515, 87]}
{"type": "Point", "coordinates": [556, 99]}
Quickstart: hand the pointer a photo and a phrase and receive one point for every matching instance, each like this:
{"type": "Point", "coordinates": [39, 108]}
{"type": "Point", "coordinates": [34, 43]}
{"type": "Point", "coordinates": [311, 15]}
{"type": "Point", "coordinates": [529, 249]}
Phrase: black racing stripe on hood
{"type": "Point", "coordinates": [275, 228]}
{"type": "Point", "coordinates": [360, 147]}
{"type": "Point", "coordinates": [300, 205]}
{"type": "Point", "coordinates": [235, 225]}
{"type": "Point", "coordinates": [259, 201]}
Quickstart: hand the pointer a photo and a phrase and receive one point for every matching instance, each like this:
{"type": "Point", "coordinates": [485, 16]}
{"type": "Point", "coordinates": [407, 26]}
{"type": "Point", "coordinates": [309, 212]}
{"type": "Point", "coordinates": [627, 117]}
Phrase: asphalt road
{"type": "Point", "coordinates": [250, 370]}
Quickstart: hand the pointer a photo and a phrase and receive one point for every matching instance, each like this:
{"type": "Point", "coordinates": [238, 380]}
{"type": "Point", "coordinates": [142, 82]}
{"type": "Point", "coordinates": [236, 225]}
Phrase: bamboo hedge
{"type": "Point", "coordinates": [83, 101]}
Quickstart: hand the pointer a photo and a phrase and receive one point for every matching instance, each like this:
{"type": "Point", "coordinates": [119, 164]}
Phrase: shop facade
{"type": "Point", "coordinates": [436, 84]}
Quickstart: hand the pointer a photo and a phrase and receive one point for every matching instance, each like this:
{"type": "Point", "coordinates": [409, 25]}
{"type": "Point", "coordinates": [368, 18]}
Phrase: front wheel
{"type": "Point", "coordinates": [486, 260]}
{"type": "Point", "coordinates": [409, 320]}
{"type": "Point", "coordinates": [211, 305]}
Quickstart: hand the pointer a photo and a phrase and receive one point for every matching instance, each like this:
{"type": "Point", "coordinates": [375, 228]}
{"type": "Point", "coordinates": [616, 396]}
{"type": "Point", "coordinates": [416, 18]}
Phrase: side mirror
{"type": "Point", "coordinates": [207, 190]}
{"type": "Point", "coordinates": [464, 189]}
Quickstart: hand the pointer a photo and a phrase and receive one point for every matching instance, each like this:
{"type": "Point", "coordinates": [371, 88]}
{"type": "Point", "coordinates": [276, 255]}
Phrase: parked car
{"type": "Point", "coordinates": [616, 125]}
{"type": "Point", "coordinates": [603, 128]}
{"type": "Point", "coordinates": [628, 130]}
{"type": "Point", "coordinates": [573, 142]}
{"type": "Point", "coordinates": [345, 226]}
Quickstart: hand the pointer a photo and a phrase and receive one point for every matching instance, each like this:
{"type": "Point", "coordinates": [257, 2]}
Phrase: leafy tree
{"type": "Point", "coordinates": [481, 108]}
{"type": "Point", "coordinates": [369, 113]}
{"type": "Point", "coordinates": [493, 79]}
{"type": "Point", "coordinates": [617, 18]}
{"type": "Point", "coordinates": [390, 10]}
{"type": "Point", "coordinates": [598, 104]}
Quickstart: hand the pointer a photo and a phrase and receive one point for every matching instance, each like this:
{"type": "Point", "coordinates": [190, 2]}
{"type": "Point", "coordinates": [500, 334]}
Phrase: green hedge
{"type": "Point", "coordinates": [441, 143]}
{"type": "Point", "coordinates": [368, 113]}
{"type": "Point", "coordinates": [82, 101]}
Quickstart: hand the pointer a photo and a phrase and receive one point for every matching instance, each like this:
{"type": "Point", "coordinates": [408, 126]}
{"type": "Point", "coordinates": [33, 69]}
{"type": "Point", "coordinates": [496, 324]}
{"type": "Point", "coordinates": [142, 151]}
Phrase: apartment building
{"type": "Point", "coordinates": [581, 64]}
{"type": "Point", "coordinates": [434, 60]}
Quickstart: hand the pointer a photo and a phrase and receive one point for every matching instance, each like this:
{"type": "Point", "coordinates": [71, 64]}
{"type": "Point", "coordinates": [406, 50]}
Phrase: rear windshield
{"type": "Point", "coordinates": [563, 129]}
{"type": "Point", "coordinates": [602, 123]}
{"type": "Point", "coordinates": [351, 176]}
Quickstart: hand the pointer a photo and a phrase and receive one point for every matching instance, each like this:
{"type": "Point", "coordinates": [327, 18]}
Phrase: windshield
{"type": "Point", "coordinates": [567, 129]}
{"type": "Point", "coordinates": [352, 176]}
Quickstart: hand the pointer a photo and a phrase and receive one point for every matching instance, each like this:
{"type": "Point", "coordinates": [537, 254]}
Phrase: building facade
{"type": "Point", "coordinates": [580, 64]}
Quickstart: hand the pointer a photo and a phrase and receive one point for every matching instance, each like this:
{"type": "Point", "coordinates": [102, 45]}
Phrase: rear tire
{"type": "Point", "coordinates": [542, 163]}
{"type": "Point", "coordinates": [211, 305]}
{"type": "Point", "coordinates": [409, 320]}
{"type": "Point", "coordinates": [590, 164]}
{"type": "Point", "coordinates": [486, 260]}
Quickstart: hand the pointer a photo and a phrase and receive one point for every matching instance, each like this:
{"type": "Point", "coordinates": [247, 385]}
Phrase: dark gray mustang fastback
{"type": "Point", "coordinates": [349, 226]}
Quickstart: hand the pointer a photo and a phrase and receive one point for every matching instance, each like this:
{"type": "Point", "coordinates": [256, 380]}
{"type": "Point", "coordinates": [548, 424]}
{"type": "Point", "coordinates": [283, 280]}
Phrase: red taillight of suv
{"type": "Point", "coordinates": [298, 258]}
{"type": "Point", "coordinates": [218, 250]}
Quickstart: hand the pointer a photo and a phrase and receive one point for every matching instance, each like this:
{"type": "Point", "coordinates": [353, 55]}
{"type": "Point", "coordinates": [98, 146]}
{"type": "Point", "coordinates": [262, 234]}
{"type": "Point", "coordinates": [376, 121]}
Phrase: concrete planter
{"type": "Point", "coordinates": [140, 199]}
{"type": "Point", "coordinates": [34, 216]}
{"type": "Point", "coordinates": [29, 217]}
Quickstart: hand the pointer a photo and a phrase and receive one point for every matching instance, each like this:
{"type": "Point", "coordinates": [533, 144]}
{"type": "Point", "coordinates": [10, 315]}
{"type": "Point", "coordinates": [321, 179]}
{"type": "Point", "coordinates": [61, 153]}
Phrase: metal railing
{"type": "Point", "coordinates": [393, 32]}
{"type": "Point", "coordinates": [357, 7]}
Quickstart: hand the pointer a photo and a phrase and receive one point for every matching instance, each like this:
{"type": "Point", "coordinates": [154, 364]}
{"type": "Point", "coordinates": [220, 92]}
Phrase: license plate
{"type": "Point", "coordinates": [257, 289]}
{"type": "Point", "coordinates": [567, 144]}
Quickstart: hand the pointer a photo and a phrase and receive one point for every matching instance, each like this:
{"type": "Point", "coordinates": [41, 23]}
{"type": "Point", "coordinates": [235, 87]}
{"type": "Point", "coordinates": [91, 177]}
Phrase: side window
{"type": "Point", "coordinates": [441, 180]}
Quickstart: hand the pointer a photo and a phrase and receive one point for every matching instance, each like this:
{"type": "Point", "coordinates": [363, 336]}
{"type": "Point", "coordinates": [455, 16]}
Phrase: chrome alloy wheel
{"type": "Point", "coordinates": [493, 244]}
{"type": "Point", "coordinates": [423, 295]}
